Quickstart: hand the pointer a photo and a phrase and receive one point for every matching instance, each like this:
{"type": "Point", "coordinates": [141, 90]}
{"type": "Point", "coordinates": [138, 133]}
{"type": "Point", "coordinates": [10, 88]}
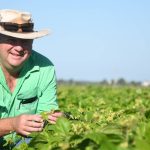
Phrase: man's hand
{"type": "Point", "coordinates": [54, 116]}
{"type": "Point", "coordinates": [26, 124]}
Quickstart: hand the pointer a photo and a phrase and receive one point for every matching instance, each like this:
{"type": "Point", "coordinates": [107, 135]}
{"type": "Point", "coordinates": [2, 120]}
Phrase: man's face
{"type": "Point", "coordinates": [14, 52]}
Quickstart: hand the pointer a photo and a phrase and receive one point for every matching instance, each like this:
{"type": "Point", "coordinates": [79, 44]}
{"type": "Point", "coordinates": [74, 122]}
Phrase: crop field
{"type": "Point", "coordinates": [97, 118]}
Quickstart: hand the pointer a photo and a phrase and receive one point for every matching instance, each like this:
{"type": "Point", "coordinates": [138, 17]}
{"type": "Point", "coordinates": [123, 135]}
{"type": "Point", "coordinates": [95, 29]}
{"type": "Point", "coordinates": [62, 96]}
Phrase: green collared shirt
{"type": "Point", "coordinates": [35, 90]}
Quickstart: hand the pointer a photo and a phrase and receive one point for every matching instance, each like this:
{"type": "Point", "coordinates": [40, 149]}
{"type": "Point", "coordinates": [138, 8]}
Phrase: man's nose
{"type": "Point", "coordinates": [18, 48]}
{"type": "Point", "coordinates": [18, 45]}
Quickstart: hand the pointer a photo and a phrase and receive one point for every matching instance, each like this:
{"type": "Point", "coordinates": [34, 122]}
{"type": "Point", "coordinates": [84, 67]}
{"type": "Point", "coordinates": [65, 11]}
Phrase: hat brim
{"type": "Point", "coordinates": [26, 35]}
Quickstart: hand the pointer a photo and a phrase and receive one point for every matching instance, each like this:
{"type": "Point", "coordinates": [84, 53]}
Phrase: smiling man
{"type": "Point", "coordinates": [27, 78]}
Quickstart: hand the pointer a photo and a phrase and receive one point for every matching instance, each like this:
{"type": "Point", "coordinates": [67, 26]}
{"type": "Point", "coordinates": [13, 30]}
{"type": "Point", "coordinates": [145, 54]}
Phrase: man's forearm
{"type": "Point", "coordinates": [6, 126]}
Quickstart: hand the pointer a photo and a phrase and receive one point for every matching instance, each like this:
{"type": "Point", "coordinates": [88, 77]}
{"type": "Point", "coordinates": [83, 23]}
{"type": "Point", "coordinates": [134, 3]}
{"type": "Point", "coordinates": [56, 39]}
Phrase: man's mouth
{"type": "Point", "coordinates": [21, 53]}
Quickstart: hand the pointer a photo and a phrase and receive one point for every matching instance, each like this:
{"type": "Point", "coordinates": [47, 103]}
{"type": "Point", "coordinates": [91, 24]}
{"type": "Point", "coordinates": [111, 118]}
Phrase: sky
{"type": "Point", "coordinates": [92, 40]}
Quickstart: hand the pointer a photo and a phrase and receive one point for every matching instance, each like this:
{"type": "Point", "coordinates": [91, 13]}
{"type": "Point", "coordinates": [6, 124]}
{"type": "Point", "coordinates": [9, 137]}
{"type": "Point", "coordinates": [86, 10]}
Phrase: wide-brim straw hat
{"type": "Point", "coordinates": [13, 22]}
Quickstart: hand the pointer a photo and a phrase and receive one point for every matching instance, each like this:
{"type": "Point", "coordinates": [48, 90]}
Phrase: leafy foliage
{"type": "Point", "coordinates": [99, 117]}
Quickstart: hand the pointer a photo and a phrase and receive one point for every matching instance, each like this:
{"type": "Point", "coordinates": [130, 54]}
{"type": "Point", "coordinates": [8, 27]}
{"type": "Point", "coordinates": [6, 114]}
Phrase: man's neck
{"type": "Point", "coordinates": [11, 78]}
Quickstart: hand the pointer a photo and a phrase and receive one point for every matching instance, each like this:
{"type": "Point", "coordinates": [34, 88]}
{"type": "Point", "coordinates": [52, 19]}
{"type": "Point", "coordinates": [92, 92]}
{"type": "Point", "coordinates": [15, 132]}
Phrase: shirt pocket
{"type": "Point", "coordinates": [28, 101]}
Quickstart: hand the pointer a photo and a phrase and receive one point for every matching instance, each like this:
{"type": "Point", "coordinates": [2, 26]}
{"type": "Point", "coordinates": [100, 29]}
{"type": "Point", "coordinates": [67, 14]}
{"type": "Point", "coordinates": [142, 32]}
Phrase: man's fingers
{"type": "Point", "coordinates": [52, 122]}
{"type": "Point", "coordinates": [52, 118]}
{"type": "Point", "coordinates": [35, 124]}
{"type": "Point", "coordinates": [25, 133]}
{"type": "Point", "coordinates": [57, 114]}
{"type": "Point", "coordinates": [37, 118]}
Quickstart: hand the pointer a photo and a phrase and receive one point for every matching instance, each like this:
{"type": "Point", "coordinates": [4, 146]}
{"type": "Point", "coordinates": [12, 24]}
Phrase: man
{"type": "Point", "coordinates": [27, 79]}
